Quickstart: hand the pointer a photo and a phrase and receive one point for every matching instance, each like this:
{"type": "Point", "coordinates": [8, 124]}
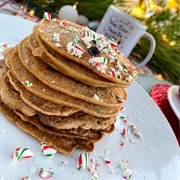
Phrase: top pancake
{"type": "Point", "coordinates": [70, 68]}
{"type": "Point", "coordinates": [84, 46]}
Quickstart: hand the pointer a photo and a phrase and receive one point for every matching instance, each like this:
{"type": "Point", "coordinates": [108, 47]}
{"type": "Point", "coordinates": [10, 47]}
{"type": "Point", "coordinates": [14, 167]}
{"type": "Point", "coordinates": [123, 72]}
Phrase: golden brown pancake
{"type": "Point", "coordinates": [12, 98]}
{"type": "Point", "coordinates": [62, 144]}
{"type": "Point", "coordinates": [76, 120]}
{"type": "Point", "coordinates": [39, 104]}
{"type": "Point", "coordinates": [90, 134]}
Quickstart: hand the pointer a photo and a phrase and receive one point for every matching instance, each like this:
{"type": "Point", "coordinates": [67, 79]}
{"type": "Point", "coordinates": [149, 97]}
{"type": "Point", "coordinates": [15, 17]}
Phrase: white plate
{"type": "Point", "coordinates": [155, 156]}
{"type": "Point", "coordinates": [174, 100]}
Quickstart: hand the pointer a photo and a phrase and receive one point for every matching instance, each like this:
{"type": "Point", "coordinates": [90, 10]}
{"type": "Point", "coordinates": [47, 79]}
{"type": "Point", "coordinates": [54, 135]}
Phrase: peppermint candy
{"type": "Point", "coordinates": [137, 134]}
{"type": "Point", "coordinates": [88, 36]}
{"type": "Point", "coordinates": [47, 150]}
{"type": "Point", "coordinates": [135, 131]}
{"type": "Point", "coordinates": [127, 174]}
{"type": "Point", "coordinates": [133, 127]}
{"type": "Point", "coordinates": [125, 132]}
{"type": "Point", "coordinates": [55, 19]}
{"type": "Point", "coordinates": [45, 173]}
{"type": "Point", "coordinates": [99, 63]}
{"type": "Point", "coordinates": [120, 99]}
{"type": "Point", "coordinates": [56, 37]}
{"type": "Point", "coordinates": [83, 161]}
{"type": "Point", "coordinates": [20, 153]}
{"type": "Point", "coordinates": [122, 143]}
{"type": "Point", "coordinates": [27, 83]}
{"type": "Point", "coordinates": [118, 65]}
{"type": "Point", "coordinates": [128, 78]}
{"type": "Point", "coordinates": [58, 45]}
{"type": "Point", "coordinates": [26, 178]}
{"type": "Point", "coordinates": [47, 16]}
{"type": "Point", "coordinates": [107, 161]}
{"type": "Point", "coordinates": [62, 24]}
{"type": "Point", "coordinates": [113, 43]}
{"type": "Point", "coordinates": [124, 164]}
{"type": "Point", "coordinates": [74, 49]}
{"type": "Point", "coordinates": [3, 47]}
{"type": "Point", "coordinates": [114, 73]}
{"type": "Point", "coordinates": [96, 97]}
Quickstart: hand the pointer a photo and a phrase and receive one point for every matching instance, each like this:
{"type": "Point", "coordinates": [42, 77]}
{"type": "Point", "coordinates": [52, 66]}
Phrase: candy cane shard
{"type": "Point", "coordinates": [83, 161]}
{"type": "Point", "coordinates": [45, 173]}
{"type": "Point", "coordinates": [47, 150]}
{"type": "Point", "coordinates": [20, 153]}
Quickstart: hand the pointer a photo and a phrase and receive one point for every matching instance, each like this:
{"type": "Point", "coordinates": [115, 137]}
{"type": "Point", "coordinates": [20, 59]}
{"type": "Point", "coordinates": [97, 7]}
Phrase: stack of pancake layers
{"type": "Point", "coordinates": [64, 84]}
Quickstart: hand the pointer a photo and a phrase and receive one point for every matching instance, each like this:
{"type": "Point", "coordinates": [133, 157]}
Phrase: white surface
{"type": "Point", "coordinates": [13, 29]}
{"type": "Point", "coordinates": [174, 100]}
{"type": "Point", "coordinates": [155, 156]}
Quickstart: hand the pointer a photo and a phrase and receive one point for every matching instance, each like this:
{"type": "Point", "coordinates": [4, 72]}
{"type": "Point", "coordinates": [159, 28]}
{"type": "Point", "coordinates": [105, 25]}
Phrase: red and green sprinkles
{"type": "Point", "coordinates": [27, 83]}
{"type": "Point", "coordinates": [26, 178]}
{"type": "Point", "coordinates": [47, 16]}
{"type": "Point", "coordinates": [99, 63]}
{"type": "Point", "coordinates": [56, 37]}
{"type": "Point", "coordinates": [74, 49]}
{"type": "Point", "coordinates": [120, 99]}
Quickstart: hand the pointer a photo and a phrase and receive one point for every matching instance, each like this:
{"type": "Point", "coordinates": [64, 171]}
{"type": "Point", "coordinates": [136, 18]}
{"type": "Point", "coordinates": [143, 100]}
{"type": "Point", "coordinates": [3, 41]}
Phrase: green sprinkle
{"type": "Point", "coordinates": [97, 110]}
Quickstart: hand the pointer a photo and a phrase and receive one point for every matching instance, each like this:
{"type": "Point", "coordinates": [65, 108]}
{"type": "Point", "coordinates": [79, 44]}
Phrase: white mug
{"type": "Point", "coordinates": [126, 31]}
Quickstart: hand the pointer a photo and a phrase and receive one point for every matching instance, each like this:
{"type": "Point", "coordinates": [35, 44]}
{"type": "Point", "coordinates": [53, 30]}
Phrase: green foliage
{"type": "Point", "coordinates": [166, 59]}
{"type": "Point", "coordinates": [92, 9]}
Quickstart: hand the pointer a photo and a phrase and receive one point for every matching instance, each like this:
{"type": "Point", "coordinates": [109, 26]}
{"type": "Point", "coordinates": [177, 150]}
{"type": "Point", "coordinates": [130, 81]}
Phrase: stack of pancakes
{"type": "Point", "coordinates": [64, 84]}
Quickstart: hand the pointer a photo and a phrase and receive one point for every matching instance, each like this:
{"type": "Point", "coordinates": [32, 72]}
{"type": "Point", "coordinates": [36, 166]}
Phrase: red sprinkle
{"type": "Point", "coordinates": [121, 108]}
{"type": "Point", "coordinates": [107, 161]}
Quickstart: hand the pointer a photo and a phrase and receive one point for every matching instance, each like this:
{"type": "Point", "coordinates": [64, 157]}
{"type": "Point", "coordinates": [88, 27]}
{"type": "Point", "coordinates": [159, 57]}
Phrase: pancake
{"type": "Point", "coordinates": [84, 46]}
{"type": "Point", "coordinates": [12, 98]}
{"type": "Point", "coordinates": [76, 120]}
{"type": "Point", "coordinates": [3, 70]}
{"type": "Point", "coordinates": [39, 104]}
{"type": "Point", "coordinates": [41, 90]}
{"type": "Point", "coordinates": [63, 65]}
{"type": "Point", "coordinates": [62, 144]}
{"type": "Point", "coordinates": [90, 134]}
{"type": "Point", "coordinates": [65, 84]}
{"type": "Point", "coordinates": [7, 55]}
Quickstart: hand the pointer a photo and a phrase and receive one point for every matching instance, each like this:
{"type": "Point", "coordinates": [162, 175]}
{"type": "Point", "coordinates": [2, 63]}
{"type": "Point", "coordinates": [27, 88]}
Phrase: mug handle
{"type": "Point", "coordinates": [151, 50]}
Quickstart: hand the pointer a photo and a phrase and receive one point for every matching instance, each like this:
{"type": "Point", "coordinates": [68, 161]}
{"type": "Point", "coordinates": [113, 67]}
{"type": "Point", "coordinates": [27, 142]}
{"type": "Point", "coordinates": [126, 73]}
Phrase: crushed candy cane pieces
{"type": "Point", "coordinates": [123, 164]}
{"type": "Point", "coordinates": [46, 173]}
{"type": "Point", "coordinates": [26, 178]}
{"type": "Point", "coordinates": [47, 150]}
{"type": "Point", "coordinates": [127, 174]}
{"type": "Point", "coordinates": [20, 153]}
{"type": "Point", "coordinates": [83, 161]}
